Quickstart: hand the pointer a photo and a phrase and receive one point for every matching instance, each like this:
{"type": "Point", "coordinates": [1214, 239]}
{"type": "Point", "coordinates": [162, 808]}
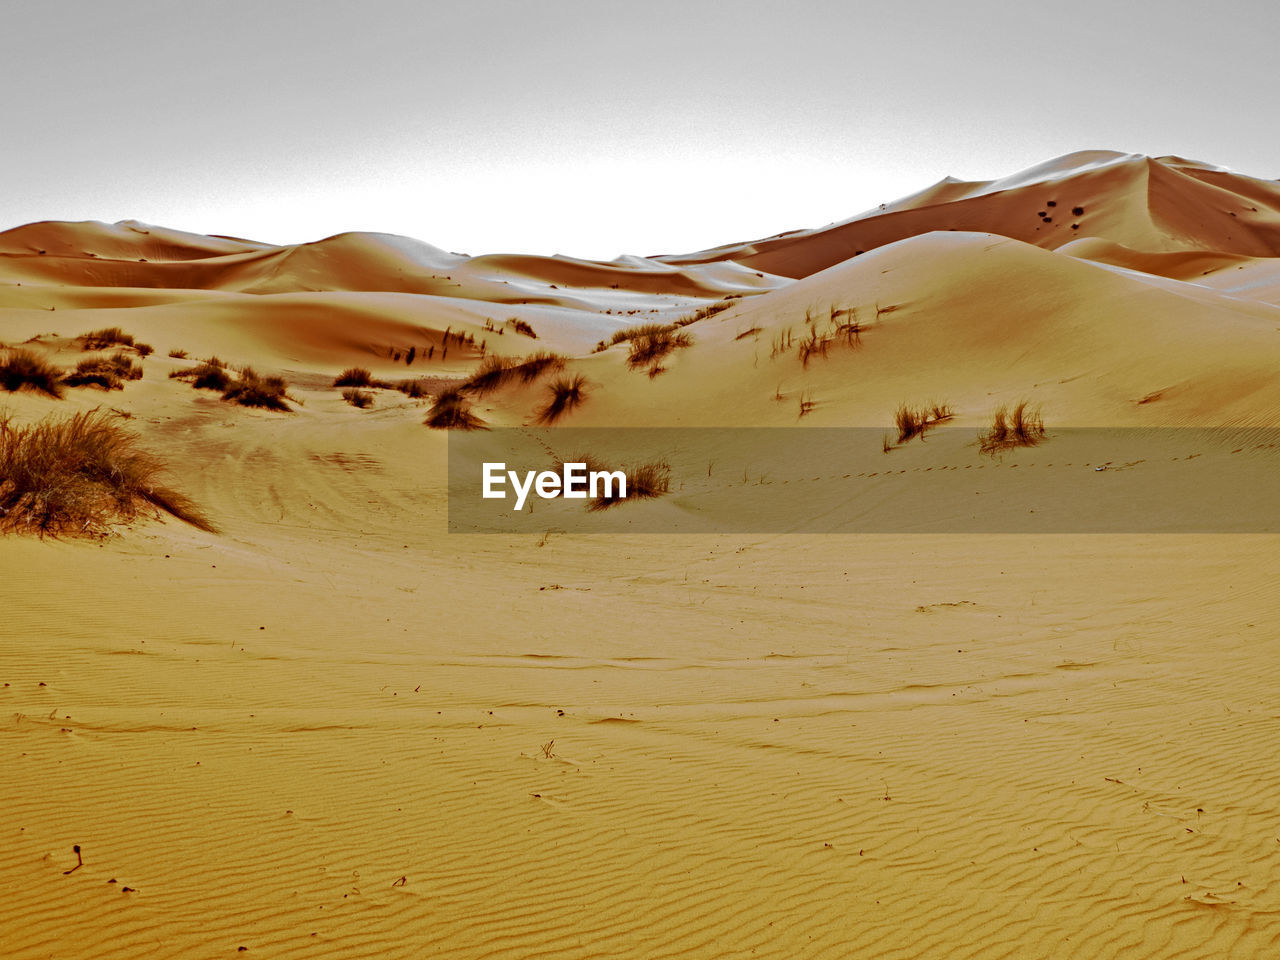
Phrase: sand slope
{"type": "Point", "coordinates": [334, 730]}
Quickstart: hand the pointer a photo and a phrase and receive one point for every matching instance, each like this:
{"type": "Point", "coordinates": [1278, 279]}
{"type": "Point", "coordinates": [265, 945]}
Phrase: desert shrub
{"type": "Point", "coordinates": [495, 371]}
{"type": "Point", "coordinates": [144, 349]}
{"type": "Point", "coordinates": [413, 389]}
{"type": "Point", "coordinates": [354, 377]}
{"type": "Point", "coordinates": [566, 394]}
{"type": "Point", "coordinates": [521, 327]}
{"type": "Point", "coordinates": [178, 354]}
{"type": "Point", "coordinates": [452, 411]}
{"type": "Point", "coordinates": [645, 481]}
{"type": "Point", "coordinates": [654, 342]}
{"type": "Point", "coordinates": [106, 372]}
{"type": "Point", "coordinates": [1021, 427]}
{"type": "Point", "coordinates": [78, 475]}
{"type": "Point", "coordinates": [23, 370]}
{"type": "Point", "coordinates": [914, 422]}
{"type": "Point", "coordinates": [710, 310]}
{"type": "Point", "coordinates": [536, 364]}
{"type": "Point", "coordinates": [252, 390]}
{"type": "Point", "coordinates": [358, 398]}
{"type": "Point", "coordinates": [104, 338]}
{"type": "Point", "coordinates": [208, 375]}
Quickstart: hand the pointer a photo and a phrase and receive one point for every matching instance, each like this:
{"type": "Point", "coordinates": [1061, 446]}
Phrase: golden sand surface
{"type": "Point", "coordinates": [333, 729]}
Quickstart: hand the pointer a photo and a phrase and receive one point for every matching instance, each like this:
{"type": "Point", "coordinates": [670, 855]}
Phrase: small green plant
{"type": "Point", "coordinates": [567, 393]}
{"type": "Point", "coordinates": [23, 370]}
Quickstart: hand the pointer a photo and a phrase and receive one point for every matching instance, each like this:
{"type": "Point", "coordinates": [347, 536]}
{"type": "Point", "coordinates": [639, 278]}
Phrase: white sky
{"type": "Point", "coordinates": [596, 128]}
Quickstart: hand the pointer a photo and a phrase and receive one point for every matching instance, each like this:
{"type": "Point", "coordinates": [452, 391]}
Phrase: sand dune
{"type": "Point", "coordinates": [332, 729]}
{"type": "Point", "coordinates": [1150, 204]}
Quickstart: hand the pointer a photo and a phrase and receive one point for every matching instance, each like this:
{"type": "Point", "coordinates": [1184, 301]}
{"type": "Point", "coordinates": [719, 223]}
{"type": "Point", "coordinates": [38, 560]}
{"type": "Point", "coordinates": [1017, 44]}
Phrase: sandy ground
{"type": "Point", "coordinates": [332, 729]}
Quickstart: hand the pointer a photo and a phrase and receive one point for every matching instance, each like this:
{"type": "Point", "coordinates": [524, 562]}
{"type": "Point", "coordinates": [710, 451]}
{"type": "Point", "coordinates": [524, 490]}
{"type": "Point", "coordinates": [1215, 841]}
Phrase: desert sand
{"type": "Point", "coordinates": [333, 729]}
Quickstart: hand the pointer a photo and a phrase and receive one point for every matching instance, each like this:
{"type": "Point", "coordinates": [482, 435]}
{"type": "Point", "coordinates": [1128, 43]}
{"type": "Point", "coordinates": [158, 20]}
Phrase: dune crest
{"type": "Point", "coordinates": [311, 722]}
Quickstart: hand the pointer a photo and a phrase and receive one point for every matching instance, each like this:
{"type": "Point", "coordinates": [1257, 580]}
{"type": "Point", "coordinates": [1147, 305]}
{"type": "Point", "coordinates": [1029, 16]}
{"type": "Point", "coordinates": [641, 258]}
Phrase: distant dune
{"type": "Point", "coordinates": [325, 727]}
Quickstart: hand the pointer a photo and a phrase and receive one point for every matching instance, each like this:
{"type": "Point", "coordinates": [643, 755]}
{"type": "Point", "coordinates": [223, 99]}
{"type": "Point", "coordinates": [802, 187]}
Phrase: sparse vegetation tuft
{"type": "Point", "coordinates": [914, 422]}
{"type": "Point", "coordinates": [105, 338]}
{"type": "Point", "coordinates": [178, 354]}
{"type": "Point", "coordinates": [211, 374]}
{"type": "Point", "coordinates": [79, 475]}
{"type": "Point", "coordinates": [654, 342]}
{"type": "Point", "coordinates": [1021, 427]}
{"type": "Point", "coordinates": [567, 393]}
{"type": "Point", "coordinates": [106, 372]}
{"type": "Point", "coordinates": [252, 390]}
{"type": "Point", "coordinates": [645, 481]}
{"type": "Point", "coordinates": [494, 371]}
{"type": "Point", "coordinates": [354, 377]}
{"type": "Point", "coordinates": [521, 327]}
{"type": "Point", "coordinates": [413, 389]}
{"type": "Point", "coordinates": [23, 370]}
{"type": "Point", "coordinates": [362, 399]}
{"type": "Point", "coordinates": [451, 410]}
{"type": "Point", "coordinates": [650, 342]}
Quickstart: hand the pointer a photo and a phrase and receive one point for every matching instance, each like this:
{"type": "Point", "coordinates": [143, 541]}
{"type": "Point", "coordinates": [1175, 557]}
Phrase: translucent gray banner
{"type": "Point", "coordinates": [860, 480]}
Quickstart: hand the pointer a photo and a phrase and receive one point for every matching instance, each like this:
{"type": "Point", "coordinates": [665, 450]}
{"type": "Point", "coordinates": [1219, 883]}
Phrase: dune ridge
{"type": "Point", "coordinates": [333, 730]}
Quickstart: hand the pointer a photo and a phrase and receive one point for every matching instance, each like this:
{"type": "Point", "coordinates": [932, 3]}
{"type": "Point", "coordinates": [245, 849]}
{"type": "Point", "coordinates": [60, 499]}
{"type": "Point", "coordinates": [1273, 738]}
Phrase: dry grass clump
{"type": "Point", "coordinates": [710, 310]}
{"type": "Point", "coordinates": [842, 324]}
{"type": "Point", "coordinates": [567, 393]}
{"type": "Point", "coordinates": [105, 338]}
{"type": "Point", "coordinates": [79, 475]}
{"type": "Point", "coordinates": [209, 375]}
{"type": "Point", "coordinates": [178, 354]}
{"type": "Point", "coordinates": [109, 337]}
{"type": "Point", "coordinates": [23, 370]}
{"type": "Point", "coordinates": [914, 422]}
{"type": "Point", "coordinates": [1021, 427]}
{"type": "Point", "coordinates": [521, 327]}
{"type": "Point", "coordinates": [252, 390]}
{"type": "Point", "coordinates": [651, 342]}
{"type": "Point", "coordinates": [361, 399]}
{"type": "Point", "coordinates": [110, 373]}
{"type": "Point", "coordinates": [249, 390]}
{"type": "Point", "coordinates": [452, 411]}
{"type": "Point", "coordinates": [495, 371]}
{"type": "Point", "coordinates": [354, 377]}
{"type": "Point", "coordinates": [413, 389]}
{"type": "Point", "coordinates": [645, 481]}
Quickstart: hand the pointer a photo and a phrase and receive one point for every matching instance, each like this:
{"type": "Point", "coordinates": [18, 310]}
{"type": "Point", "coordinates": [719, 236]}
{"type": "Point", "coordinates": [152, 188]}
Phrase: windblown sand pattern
{"type": "Point", "coordinates": [333, 730]}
